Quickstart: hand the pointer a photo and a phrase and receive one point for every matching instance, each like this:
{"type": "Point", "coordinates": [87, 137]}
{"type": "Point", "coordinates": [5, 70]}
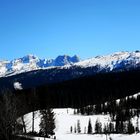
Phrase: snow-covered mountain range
{"type": "Point", "coordinates": [31, 62]}
{"type": "Point", "coordinates": [114, 62]}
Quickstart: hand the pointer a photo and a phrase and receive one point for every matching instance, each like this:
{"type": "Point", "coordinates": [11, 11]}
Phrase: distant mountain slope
{"type": "Point", "coordinates": [113, 62]}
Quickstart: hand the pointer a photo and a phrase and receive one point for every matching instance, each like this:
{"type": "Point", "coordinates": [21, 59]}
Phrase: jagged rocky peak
{"type": "Point", "coordinates": [31, 62]}
{"type": "Point", "coordinates": [75, 59]}
{"type": "Point", "coordinates": [28, 58]}
{"type": "Point", "coordinates": [62, 60]}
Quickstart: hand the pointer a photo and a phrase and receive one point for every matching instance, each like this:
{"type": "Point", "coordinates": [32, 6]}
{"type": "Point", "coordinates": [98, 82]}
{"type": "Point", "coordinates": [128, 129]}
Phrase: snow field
{"type": "Point", "coordinates": [65, 119]}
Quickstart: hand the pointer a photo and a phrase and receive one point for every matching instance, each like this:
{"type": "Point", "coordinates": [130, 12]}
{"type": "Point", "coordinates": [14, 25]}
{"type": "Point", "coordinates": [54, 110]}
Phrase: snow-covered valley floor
{"type": "Point", "coordinates": [65, 118]}
{"type": "Point", "coordinates": [95, 137]}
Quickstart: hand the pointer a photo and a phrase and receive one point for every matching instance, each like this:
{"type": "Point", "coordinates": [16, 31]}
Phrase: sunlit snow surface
{"type": "Point", "coordinates": [65, 119]}
{"type": "Point", "coordinates": [111, 61]}
{"type": "Point", "coordinates": [94, 137]}
{"type": "Point", "coordinates": [31, 62]}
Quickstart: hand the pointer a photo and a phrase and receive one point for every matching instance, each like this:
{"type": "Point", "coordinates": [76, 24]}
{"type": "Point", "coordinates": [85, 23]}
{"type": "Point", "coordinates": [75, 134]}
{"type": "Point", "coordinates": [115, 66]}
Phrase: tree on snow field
{"type": "Point", "coordinates": [47, 124]}
{"type": "Point", "coordinates": [78, 126]}
{"type": "Point", "coordinates": [89, 131]}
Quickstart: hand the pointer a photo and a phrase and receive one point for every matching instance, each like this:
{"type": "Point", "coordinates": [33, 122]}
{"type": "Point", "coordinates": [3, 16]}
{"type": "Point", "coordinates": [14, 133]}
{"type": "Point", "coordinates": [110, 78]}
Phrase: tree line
{"type": "Point", "coordinates": [116, 127]}
{"type": "Point", "coordinates": [120, 111]}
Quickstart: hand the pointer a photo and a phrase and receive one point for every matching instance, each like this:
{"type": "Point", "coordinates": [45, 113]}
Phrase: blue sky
{"type": "Point", "coordinates": [48, 28]}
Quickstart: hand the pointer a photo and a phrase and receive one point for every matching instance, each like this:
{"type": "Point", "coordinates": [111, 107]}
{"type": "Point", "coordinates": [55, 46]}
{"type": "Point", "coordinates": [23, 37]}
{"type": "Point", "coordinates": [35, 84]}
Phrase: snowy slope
{"type": "Point", "coordinates": [115, 61]}
{"type": "Point", "coordinates": [66, 116]}
{"type": "Point", "coordinates": [65, 119]}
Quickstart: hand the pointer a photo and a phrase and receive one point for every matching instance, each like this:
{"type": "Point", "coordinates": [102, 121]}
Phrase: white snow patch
{"type": "Point", "coordinates": [18, 86]}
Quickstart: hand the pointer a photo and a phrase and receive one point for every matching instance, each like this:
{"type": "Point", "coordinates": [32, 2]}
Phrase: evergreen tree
{"type": "Point", "coordinates": [75, 129]}
{"type": "Point", "coordinates": [83, 111]}
{"type": "Point", "coordinates": [137, 125]}
{"type": "Point", "coordinates": [34, 99]}
{"type": "Point", "coordinates": [105, 130]}
{"type": "Point", "coordinates": [47, 124]}
{"type": "Point", "coordinates": [119, 126]}
{"type": "Point", "coordinates": [89, 131]}
{"type": "Point", "coordinates": [98, 127]}
{"type": "Point", "coordinates": [111, 127]}
{"type": "Point", "coordinates": [71, 129]}
{"type": "Point", "coordinates": [119, 122]}
{"type": "Point", "coordinates": [130, 127]}
{"type": "Point", "coordinates": [78, 126]}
